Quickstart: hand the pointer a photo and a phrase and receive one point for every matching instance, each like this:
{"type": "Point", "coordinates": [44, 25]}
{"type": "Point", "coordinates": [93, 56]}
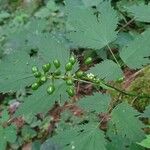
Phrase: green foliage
{"type": "Point", "coordinates": [146, 113]}
{"type": "Point", "coordinates": [90, 138]}
{"type": "Point", "coordinates": [140, 12]}
{"type": "Point", "coordinates": [146, 142]}
{"type": "Point", "coordinates": [101, 103]}
{"type": "Point", "coordinates": [125, 124]}
{"type": "Point", "coordinates": [90, 31]}
{"type": "Point", "coordinates": [107, 70]}
{"type": "Point", "coordinates": [4, 15]}
{"type": "Point", "coordinates": [56, 73]}
{"type": "Point", "coordinates": [47, 10]}
{"type": "Point", "coordinates": [91, 2]}
{"type": "Point", "coordinates": [28, 133]}
{"type": "Point", "coordinates": [4, 116]}
{"type": "Point", "coordinates": [49, 143]}
{"type": "Point", "coordinates": [16, 71]}
{"type": "Point", "coordinates": [136, 53]}
{"type": "Point", "coordinates": [42, 101]}
{"type": "Point", "coordinates": [7, 134]}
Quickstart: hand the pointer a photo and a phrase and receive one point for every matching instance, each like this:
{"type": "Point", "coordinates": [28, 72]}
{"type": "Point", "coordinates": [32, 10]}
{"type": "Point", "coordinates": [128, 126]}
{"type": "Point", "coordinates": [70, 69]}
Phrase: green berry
{"type": "Point", "coordinates": [35, 86]}
{"type": "Point", "coordinates": [70, 91]}
{"type": "Point", "coordinates": [37, 74]}
{"type": "Point", "coordinates": [120, 79]}
{"type": "Point", "coordinates": [57, 72]}
{"type": "Point", "coordinates": [39, 81]}
{"type": "Point", "coordinates": [68, 66]}
{"type": "Point", "coordinates": [43, 79]}
{"type": "Point", "coordinates": [72, 60]}
{"type": "Point", "coordinates": [51, 89]}
{"type": "Point", "coordinates": [34, 69]}
{"type": "Point", "coordinates": [69, 82]}
{"type": "Point", "coordinates": [97, 81]}
{"type": "Point", "coordinates": [88, 61]}
{"type": "Point", "coordinates": [79, 74]}
{"type": "Point", "coordinates": [46, 67]}
{"type": "Point", "coordinates": [56, 63]}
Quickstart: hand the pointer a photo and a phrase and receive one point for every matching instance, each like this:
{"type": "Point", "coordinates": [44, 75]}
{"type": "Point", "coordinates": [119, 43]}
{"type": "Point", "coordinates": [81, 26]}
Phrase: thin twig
{"type": "Point", "coordinates": [116, 89]}
{"type": "Point", "coordinates": [113, 56]}
{"type": "Point", "coordinates": [107, 85]}
{"type": "Point", "coordinates": [129, 22]}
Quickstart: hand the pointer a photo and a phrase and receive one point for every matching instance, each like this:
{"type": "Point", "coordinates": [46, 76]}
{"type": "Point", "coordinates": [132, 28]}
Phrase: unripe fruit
{"type": "Point", "coordinates": [43, 79]}
{"type": "Point", "coordinates": [37, 74]}
{"type": "Point", "coordinates": [97, 81]}
{"type": "Point", "coordinates": [34, 69]}
{"type": "Point", "coordinates": [35, 86]}
{"type": "Point", "coordinates": [70, 91]}
{"type": "Point", "coordinates": [46, 67]}
{"type": "Point", "coordinates": [88, 61]}
{"type": "Point", "coordinates": [69, 82]}
{"type": "Point", "coordinates": [72, 60]}
{"type": "Point", "coordinates": [68, 66]}
{"type": "Point", "coordinates": [51, 89]}
{"type": "Point", "coordinates": [79, 74]}
{"type": "Point", "coordinates": [56, 63]}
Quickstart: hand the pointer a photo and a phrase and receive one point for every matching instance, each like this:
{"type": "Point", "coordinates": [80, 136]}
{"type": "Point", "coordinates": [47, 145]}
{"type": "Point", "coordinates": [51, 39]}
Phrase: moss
{"type": "Point", "coordinates": [141, 85]}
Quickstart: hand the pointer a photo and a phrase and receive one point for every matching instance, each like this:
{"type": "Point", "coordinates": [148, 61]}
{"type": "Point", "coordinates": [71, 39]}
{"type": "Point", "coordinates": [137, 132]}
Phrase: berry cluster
{"type": "Point", "coordinates": [68, 77]}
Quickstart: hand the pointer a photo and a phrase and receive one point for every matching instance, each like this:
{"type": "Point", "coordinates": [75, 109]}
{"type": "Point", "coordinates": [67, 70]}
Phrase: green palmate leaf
{"type": "Point", "coordinates": [146, 142]}
{"type": "Point", "coordinates": [146, 113]}
{"type": "Point", "coordinates": [16, 67]}
{"type": "Point", "coordinates": [15, 71]}
{"type": "Point", "coordinates": [98, 102]}
{"type": "Point", "coordinates": [49, 47]}
{"type": "Point", "coordinates": [7, 134]}
{"type": "Point", "coordinates": [125, 123]}
{"type": "Point", "coordinates": [122, 143]}
{"type": "Point", "coordinates": [123, 39]}
{"type": "Point", "coordinates": [140, 12]}
{"type": "Point", "coordinates": [42, 101]}
{"type": "Point", "coordinates": [137, 52]}
{"type": "Point", "coordinates": [18, 38]}
{"type": "Point", "coordinates": [90, 31]}
{"type": "Point", "coordinates": [86, 137]}
{"type": "Point", "coordinates": [107, 70]}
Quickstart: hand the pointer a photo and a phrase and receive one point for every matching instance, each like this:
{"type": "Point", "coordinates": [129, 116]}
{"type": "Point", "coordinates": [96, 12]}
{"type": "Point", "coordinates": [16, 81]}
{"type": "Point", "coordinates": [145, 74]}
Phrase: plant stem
{"type": "Point", "coordinates": [116, 89]}
{"type": "Point", "coordinates": [107, 85]}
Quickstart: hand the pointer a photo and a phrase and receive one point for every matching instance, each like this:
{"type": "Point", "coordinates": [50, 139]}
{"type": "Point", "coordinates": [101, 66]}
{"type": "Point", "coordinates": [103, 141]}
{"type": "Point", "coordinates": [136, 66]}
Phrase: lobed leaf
{"type": "Point", "coordinates": [97, 102]}
{"type": "Point", "coordinates": [42, 101]}
{"type": "Point", "coordinates": [90, 31]}
{"type": "Point", "coordinates": [140, 12]}
{"type": "Point", "coordinates": [124, 123]}
{"type": "Point", "coordinates": [87, 137]}
{"type": "Point", "coordinates": [107, 70]}
{"type": "Point", "coordinates": [136, 54]}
